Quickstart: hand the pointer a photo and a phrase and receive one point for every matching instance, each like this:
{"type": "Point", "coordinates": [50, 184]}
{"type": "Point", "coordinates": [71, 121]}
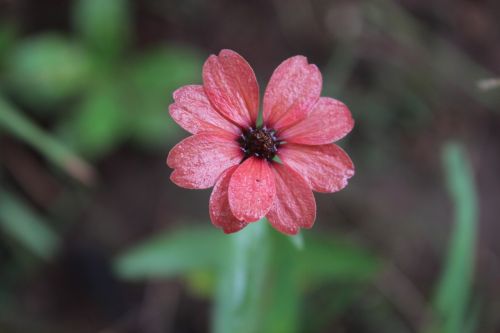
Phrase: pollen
{"type": "Point", "coordinates": [260, 142]}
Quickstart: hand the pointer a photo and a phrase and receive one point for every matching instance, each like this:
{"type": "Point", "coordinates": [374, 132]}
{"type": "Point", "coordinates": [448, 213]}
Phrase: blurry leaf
{"type": "Point", "coordinates": [163, 70]}
{"type": "Point", "coordinates": [153, 79]}
{"type": "Point", "coordinates": [172, 253]}
{"type": "Point", "coordinates": [454, 289]}
{"type": "Point", "coordinates": [282, 313]}
{"type": "Point", "coordinates": [99, 123]}
{"type": "Point", "coordinates": [155, 129]}
{"type": "Point", "coordinates": [24, 225]}
{"type": "Point", "coordinates": [47, 69]}
{"type": "Point", "coordinates": [241, 293]}
{"type": "Point", "coordinates": [327, 258]}
{"type": "Point", "coordinates": [282, 290]}
{"type": "Point", "coordinates": [202, 282]}
{"type": "Point", "coordinates": [104, 26]}
{"type": "Point", "coordinates": [297, 241]}
{"type": "Point", "coordinates": [14, 122]}
{"type": "Point", "coordinates": [319, 260]}
{"type": "Point", "coordinates": [471, 321]}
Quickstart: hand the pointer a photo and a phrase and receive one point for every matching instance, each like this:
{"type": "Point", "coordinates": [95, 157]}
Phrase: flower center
{"type": "Point", "coordinates": [259, 142]}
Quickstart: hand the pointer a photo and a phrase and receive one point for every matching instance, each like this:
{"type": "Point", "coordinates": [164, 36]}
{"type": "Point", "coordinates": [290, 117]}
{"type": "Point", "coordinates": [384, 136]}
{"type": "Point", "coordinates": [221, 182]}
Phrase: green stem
{"type": "Point", "coordinates": [454, 290]}
{"type": "Point", "coordinates": [241, 289]}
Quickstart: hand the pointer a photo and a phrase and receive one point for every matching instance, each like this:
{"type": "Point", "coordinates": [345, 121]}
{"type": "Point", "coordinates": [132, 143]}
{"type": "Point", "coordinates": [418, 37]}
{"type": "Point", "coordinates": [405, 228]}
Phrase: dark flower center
{"type": "Point", "coordinates": [259, 142]}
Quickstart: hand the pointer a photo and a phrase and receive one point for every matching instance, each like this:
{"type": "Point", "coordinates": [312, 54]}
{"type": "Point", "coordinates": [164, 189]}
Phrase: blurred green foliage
{"type": "Point", "coordinates": [104, 27]}
{"type": "Point", "coordinates": [108, 96]}
{"type": "Point", "coordinates": [45, 70]}
{"type": "Point", "coordinates": [153, 77]}
{"type": "Point", "coordinates": [453, 295]}
{"type": "Point", "coordinates": [261, 276]}
{"type": "Point", "coordinates": [95, 92]}
{"type": "Point", "coordinates": [22, 224]}
{"type": "Point", "coordinates": [171, 253]}
{"type": "Point", "coordinates": [17, 124]}
{"type": "Point", "coordinates": [99, 121]}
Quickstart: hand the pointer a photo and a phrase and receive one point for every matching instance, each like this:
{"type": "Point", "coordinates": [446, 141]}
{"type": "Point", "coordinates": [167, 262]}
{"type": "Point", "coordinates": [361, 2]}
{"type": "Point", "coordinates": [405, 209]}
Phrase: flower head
{"type": "Point", "coordinates": [260, 170]}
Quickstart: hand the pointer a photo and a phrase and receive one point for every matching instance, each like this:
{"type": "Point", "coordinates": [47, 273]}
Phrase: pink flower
{"type": "Point", "coordinates": [229, 151]}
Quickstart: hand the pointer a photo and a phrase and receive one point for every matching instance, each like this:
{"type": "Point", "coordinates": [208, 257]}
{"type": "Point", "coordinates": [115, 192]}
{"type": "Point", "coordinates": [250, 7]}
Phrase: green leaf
{"type": "Point", "coordinates": [202, 282]}
{"type": "Point", "coordinates": [153, 79]}
{"type": "Point", "coordinates": [172, 253]}
{"type": "Point", "coordinates": [28, 228]}
{"type": "Point", "coordinates": [99, 124]}
{"type": "Point", "coordinates": [454, 290]}
{"type": "Point", "coordinates": [104, 26]}
{"type": "Point", "coordinates": [47, 69]}
{"type": "Point", "coordinates": [239, 303]}
{"type": "Point", "coordinates": [162, 70]}
{"type": "Point", "coordinates": [14, 122]}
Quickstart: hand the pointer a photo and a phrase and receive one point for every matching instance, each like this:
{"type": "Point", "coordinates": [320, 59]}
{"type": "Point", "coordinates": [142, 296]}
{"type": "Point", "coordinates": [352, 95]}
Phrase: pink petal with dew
{"type": "Point", "coordinates": [220, 212]}
{"type": "Point", "coordinates": [330, 120]}
{"type": "Point", "coordinates": [294, 206]}
{"type": "Point", "coordinates": [232, 88]}
{"type": "Point", "coordinates": [293, 89]}
{"type": "Point", "coordinates": [193, 112]}
{"type": "Point", "coordinates": [252, 190]}
{"type": "Point", "coordinates": [327, 168]}
{"type": "Point", "coordinates": [200, 159]}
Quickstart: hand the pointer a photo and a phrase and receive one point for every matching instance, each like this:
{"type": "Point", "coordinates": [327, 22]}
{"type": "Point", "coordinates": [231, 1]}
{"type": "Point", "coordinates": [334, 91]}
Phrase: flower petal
{"type": "Point", "coordinates": [293, 89]}
{"type": "Point", "coordinates": [327, 168]}
{"type": "Point", "coordinates": [232, 88]}
{"type": "Point", "coordinates": [329, 121]}
{"type": "Point", "coordinates": [193, 112]}
{"type": "Point", "coordinates": [199, 159]}
{"type": "Point", "coordinates": [294, 206]}
{"type": "Point", "coordinates": [220, 212]}
{"type": "Point", "coordinates": [252, 190]}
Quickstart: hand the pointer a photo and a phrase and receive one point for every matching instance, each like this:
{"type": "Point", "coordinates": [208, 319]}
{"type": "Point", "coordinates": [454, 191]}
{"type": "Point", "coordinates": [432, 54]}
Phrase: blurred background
{"type": "Point", "coordinates": [95, 238]}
